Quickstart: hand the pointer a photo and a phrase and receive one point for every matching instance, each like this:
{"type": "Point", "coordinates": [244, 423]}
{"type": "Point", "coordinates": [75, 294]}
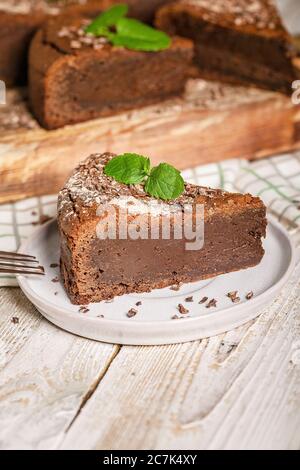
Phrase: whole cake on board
{"type": "Point", "coordinates": [95, 269]}
{"type": "Point", "coordinates": [238, 41]}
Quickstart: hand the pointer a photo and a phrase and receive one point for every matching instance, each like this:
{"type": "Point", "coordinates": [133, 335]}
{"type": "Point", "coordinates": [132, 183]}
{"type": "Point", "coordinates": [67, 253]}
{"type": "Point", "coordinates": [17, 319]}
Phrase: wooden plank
{"type": "Point", "coordinates": [46, 375]}
{"type": "Point", "coordinates": [239, 390]}
{"type": "Point", "coordinates": [211, 122]}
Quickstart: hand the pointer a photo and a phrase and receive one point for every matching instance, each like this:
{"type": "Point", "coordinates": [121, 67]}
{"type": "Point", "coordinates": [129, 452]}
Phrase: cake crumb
{"type": "Point", "coordinates": [138, 303]}
{"type": "Point", "coordinates": [15, 320]}
{"type": "Point", "coordinates": [211, 303]}
{"type": "Point", "coordinates": [203, 300]}
{"type": "Point", "coordinates": [55, 293]}
{"type": "Point", "coordinates": [131, 313]}
{"type": "Point", "coordinates": [189, 299]}
{"type": "Point", "coordinates": [55, 279]}
{"type": "Point", "coordinates": [100, 316]}
{"type": "Point", "coordinates": [249, 295]}
{"type": "Point", "coordinates": [182, 309]}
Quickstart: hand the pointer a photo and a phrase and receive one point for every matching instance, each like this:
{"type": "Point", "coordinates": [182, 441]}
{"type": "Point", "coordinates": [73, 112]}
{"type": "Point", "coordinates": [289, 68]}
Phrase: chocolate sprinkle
{"type": "Point", "coordinates": [132, 313]}
{"type": "Point", "coordinates": [55, 279]}
{"type": "Point", "coordinates": [182, 309]}
{"type": "Point", "coordinates": [138, 303]}
{"type": "Point", "coordinates": [211, 303]}
{"type": "Point", "coordinates": [203, 300]}
{"type": "Point", "coordinates": [53, 265]}
{"type": "Point", "coordinates": [233, 296]}
{"type": "Point", "coordinates": [83, 309]}
{"type": "Point", "coordinates": [15, 320]}
{"type": "Point", "coordinates": [189, 299]}
{"type": "Point", "coordinates": [249, 295]}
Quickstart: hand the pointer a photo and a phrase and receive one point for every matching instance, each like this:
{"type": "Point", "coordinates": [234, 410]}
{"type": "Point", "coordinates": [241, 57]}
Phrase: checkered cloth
{"type": "Point", "coordinates": [276, 180]}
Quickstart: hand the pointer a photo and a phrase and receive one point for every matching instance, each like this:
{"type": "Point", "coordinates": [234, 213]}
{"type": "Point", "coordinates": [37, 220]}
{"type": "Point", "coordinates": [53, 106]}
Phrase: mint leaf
{"type": "Point", "coordinates": [129, 168]}
{"type": "Point", "coordinates": [99, 26]}
{"type": "Point", "coordinates": [164, 182]}
{"type": "Point", "coordinates": [135, 35]}
{"type": "Point", "coordinates": [127, 32]}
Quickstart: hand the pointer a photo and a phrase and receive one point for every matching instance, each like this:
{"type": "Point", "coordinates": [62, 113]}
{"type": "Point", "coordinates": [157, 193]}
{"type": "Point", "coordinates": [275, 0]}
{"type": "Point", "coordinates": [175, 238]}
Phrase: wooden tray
{"type": "Point", "coordinates": [211, 122]}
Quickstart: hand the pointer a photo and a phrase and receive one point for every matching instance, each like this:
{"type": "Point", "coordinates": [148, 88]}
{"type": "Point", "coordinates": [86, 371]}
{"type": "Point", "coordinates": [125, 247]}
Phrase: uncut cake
{"type": "Point", "coordinates": [95, 269]}
{"type": "Point", "coordinates": [237, 41]}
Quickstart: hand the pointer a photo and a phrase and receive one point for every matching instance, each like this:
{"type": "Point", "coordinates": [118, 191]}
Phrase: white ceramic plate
{"type": "Point", "coordinates": [153, 324]}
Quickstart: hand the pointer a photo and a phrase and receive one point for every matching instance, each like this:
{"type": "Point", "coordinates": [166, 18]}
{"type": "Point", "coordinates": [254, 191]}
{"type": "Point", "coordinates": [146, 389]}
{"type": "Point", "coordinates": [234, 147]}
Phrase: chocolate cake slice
{"type": "Point", "coordinates": [20, 19]}
{"type": "Point", "coordinates": [96, 268]}
{"type": "Point", "coordinates": [74, 77]}
{"type": "Point", "coordinates": [238, 41]}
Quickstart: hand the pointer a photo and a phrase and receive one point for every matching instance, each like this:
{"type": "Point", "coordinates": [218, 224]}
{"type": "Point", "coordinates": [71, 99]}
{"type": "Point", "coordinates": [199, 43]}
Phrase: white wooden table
{"type": "Point", "coordinates": [239, 390]}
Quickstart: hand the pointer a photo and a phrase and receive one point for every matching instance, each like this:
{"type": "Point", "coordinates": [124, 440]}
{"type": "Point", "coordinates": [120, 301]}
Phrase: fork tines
{"type": "Point", "coordinates": [18, 263]}
{"type": "Point", "coordinates": [17, 256]}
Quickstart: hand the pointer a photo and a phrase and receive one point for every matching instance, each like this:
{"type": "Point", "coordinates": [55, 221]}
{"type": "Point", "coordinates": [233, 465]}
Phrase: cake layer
{"type": "Point", "coordinates": [74, 79]}
{"type": "Point", "coordinates": [95, 269]}
{"type": "Point", "coordinates": [238, 41]}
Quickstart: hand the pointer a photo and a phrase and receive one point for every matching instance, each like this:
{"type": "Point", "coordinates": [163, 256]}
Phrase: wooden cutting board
{"type": "Point", "coordinates": [211, 122]}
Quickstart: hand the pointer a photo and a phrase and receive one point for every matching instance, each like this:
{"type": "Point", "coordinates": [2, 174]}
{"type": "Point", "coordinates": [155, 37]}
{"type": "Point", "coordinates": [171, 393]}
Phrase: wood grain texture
{"type": "Point", "coordinates": [210, 123]}
{"type": "Point", "coordinates": [239, 390]}
{"type": "Point", "coordinates": [45, 375]}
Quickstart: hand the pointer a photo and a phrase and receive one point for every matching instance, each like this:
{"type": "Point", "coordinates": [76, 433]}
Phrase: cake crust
{"type": "Point", "coordinates": [95, 270]}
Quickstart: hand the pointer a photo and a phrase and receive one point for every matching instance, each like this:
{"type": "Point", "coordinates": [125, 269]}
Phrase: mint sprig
{"type": "Point", "coordinates": [127, 32]}
{"type": "Point", "coordinates": [162, 182]}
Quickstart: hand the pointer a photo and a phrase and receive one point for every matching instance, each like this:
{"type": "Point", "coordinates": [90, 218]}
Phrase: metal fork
{"type": "Point", "coordinates": [18, 263]}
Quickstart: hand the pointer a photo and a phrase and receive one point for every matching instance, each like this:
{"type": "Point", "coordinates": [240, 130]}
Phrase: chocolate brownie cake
{"type": "Point", "coordinates": [20, 19]}
{"type": "Point", "coordinates": [95, 269]}
{"type": "Point", "coordinates": [238, 41]}
{"type": "Point", "coordinates": [74, 77]}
